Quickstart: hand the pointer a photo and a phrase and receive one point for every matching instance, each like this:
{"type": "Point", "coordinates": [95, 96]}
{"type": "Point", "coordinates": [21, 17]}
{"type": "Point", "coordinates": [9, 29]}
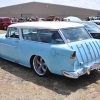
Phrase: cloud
{"type": "Point", "coordinates": [81, 3]}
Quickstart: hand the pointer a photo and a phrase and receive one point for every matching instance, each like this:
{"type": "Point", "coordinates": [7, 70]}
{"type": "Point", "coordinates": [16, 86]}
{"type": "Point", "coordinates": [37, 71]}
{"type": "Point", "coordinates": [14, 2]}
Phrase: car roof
{"type": "Point", "coordinates": [94, 20]}
{"type": "Point", "coordinates": [72, 18]}
{"type": "Point", "coordinates": [88, 22]}
{"type": "Point", "coordinates": [81, 22]}
{"type": "Point", "coordinates": [46, 25]}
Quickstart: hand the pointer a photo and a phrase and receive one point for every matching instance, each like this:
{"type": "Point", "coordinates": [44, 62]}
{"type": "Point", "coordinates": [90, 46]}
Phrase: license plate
{"type": "Point", "coordinates": [95, 66]}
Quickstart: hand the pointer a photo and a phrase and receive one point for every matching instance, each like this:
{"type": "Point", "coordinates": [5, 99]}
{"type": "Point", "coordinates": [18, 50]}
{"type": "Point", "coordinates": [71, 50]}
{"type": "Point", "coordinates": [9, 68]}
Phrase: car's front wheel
{"type": "Point", "coordinates": [40, 66]}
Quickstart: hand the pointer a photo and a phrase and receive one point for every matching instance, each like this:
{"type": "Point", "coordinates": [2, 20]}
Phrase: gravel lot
{"type": "Point", "coordinates": [20, 83]}
{"type": "Point", "coordinates": [2, 31]}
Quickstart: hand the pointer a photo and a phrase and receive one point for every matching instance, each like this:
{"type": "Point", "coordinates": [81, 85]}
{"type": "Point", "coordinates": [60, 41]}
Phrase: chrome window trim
{"type": "Point", "coordinates": [39, 36]}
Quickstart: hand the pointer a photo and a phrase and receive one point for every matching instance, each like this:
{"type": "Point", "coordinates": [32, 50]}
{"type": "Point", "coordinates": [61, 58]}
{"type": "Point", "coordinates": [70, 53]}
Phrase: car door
{"type": "Point", "coordinates": [9, 45]}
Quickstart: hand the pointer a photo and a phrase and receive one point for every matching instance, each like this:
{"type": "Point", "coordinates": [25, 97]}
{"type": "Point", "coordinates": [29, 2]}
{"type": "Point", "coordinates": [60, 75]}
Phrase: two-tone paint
{"type": "Point", "coordinates": [56, 56]}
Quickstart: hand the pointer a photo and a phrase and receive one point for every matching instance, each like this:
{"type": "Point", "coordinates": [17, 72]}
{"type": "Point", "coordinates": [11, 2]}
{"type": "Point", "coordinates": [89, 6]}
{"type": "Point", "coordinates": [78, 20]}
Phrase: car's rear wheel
{"type": "Point", "coordinates": [40, 66]}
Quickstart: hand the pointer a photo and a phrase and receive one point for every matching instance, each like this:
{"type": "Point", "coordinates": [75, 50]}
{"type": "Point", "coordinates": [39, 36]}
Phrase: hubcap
{"type": "Point", "coordinates": [39, 65]}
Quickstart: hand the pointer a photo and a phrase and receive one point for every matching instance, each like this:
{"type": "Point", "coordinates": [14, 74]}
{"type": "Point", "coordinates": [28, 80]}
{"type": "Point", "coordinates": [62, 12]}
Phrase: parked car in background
{"type": "Point", "coordinates": [41, 19]}
{"type": "Point", "coordinates": [96, 21]}
{"type": "Point", "coordinates": [63, 48]}
{"type": "Point", "coordinates": [5, 22]}
{"type": "Point", "coordinates": [91, 27]}
{"type": "Point", "coordinates": [71, 18]}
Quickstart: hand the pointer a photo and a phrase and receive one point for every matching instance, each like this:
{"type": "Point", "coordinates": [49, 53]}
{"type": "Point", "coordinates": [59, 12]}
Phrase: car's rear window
{"type": "Point", "coordinates": [75, 34]}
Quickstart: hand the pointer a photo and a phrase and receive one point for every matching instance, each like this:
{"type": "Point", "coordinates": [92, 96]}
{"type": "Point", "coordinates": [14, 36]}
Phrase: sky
{"type": "Point", "coordinates": [89, 4]}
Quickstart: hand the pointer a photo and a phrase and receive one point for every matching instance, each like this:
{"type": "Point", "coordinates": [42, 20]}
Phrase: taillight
{"type": "Point", "coordinates": [73, 56]}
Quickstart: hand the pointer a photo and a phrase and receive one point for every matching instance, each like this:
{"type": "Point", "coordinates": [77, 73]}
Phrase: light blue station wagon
{"type": "Point", "coordinates": [63, 48]}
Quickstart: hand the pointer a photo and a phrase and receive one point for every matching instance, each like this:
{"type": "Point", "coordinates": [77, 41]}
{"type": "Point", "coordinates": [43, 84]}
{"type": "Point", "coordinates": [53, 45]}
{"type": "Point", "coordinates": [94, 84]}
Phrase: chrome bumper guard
{"type": "Point", "coordinates": [82, 71]}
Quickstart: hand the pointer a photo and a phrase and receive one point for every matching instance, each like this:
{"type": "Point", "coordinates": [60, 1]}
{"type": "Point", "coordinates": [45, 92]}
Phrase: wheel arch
{"type": "Point", "coordinates": [31, 63]}
{"type": "Point", "coordinates": [31, 59]}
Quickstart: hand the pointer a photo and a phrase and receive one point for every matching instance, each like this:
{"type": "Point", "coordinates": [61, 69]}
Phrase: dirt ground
{"type": "Point", "coordinates": [20, 83]}
{"type": "Point", "coordinates": [2, 31]}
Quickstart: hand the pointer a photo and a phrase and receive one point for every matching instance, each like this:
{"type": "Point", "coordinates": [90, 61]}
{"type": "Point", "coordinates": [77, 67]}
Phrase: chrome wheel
{"type": "Point", "coordinates": [39, 66]}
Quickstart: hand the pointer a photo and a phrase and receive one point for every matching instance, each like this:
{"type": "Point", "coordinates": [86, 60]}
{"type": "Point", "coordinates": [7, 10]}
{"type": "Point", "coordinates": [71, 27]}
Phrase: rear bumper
{"type": "Point", "coordinates": [82, 71]}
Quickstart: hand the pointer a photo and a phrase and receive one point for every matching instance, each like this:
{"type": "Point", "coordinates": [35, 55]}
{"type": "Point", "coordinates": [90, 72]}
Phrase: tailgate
{"type": "Point", "coordinates": [86, 51]}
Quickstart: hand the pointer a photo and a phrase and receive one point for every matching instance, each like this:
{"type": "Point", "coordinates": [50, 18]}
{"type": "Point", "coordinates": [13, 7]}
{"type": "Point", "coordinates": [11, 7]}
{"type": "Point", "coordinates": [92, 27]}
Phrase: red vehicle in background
{"type": "Point", "coordinates": [5, 22]}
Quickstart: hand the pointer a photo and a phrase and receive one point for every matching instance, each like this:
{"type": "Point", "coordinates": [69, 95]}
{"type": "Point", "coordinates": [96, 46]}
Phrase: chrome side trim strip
{"type": "Point", "coordinates": [8, 45]}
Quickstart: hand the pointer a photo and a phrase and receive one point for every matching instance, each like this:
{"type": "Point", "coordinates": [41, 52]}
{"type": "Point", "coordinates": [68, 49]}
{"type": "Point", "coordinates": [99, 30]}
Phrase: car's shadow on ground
{"type": "Point", "coordinates": [56, 83]}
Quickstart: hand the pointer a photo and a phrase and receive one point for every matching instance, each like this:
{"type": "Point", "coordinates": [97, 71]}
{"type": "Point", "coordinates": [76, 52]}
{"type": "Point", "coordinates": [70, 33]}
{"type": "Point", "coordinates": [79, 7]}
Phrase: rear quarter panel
{"type": "Point", "coordinates": [55, 56]}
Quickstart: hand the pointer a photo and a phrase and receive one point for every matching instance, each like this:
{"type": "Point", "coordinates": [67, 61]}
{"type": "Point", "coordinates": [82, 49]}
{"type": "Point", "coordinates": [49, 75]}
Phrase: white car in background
{"type": "Point", "coordinates": [90, 26]}
{"type": "Point", "coordinates": [71, 18]}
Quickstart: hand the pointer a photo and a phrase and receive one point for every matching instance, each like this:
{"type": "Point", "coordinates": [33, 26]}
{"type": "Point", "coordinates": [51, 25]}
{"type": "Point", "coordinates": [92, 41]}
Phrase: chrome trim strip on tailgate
{"type": "Point", "coordinates": [87, 52]}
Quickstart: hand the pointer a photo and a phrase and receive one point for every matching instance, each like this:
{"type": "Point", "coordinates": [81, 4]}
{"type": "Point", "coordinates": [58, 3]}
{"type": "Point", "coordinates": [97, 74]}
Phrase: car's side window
{"type": "Point", "coordinates": [13, 32]}
{"type": "Point", "coordinates": [29, 34]}
{"type": "Point", "coordinates": [49, 36]}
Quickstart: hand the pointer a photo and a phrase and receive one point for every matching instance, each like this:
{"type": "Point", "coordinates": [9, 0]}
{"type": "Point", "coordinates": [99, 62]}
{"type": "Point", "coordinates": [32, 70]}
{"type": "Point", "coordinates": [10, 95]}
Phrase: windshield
{"type": "Point", "coordinates": [75, 34]}
{"type": "Point", "coordinates": [92, 28]}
